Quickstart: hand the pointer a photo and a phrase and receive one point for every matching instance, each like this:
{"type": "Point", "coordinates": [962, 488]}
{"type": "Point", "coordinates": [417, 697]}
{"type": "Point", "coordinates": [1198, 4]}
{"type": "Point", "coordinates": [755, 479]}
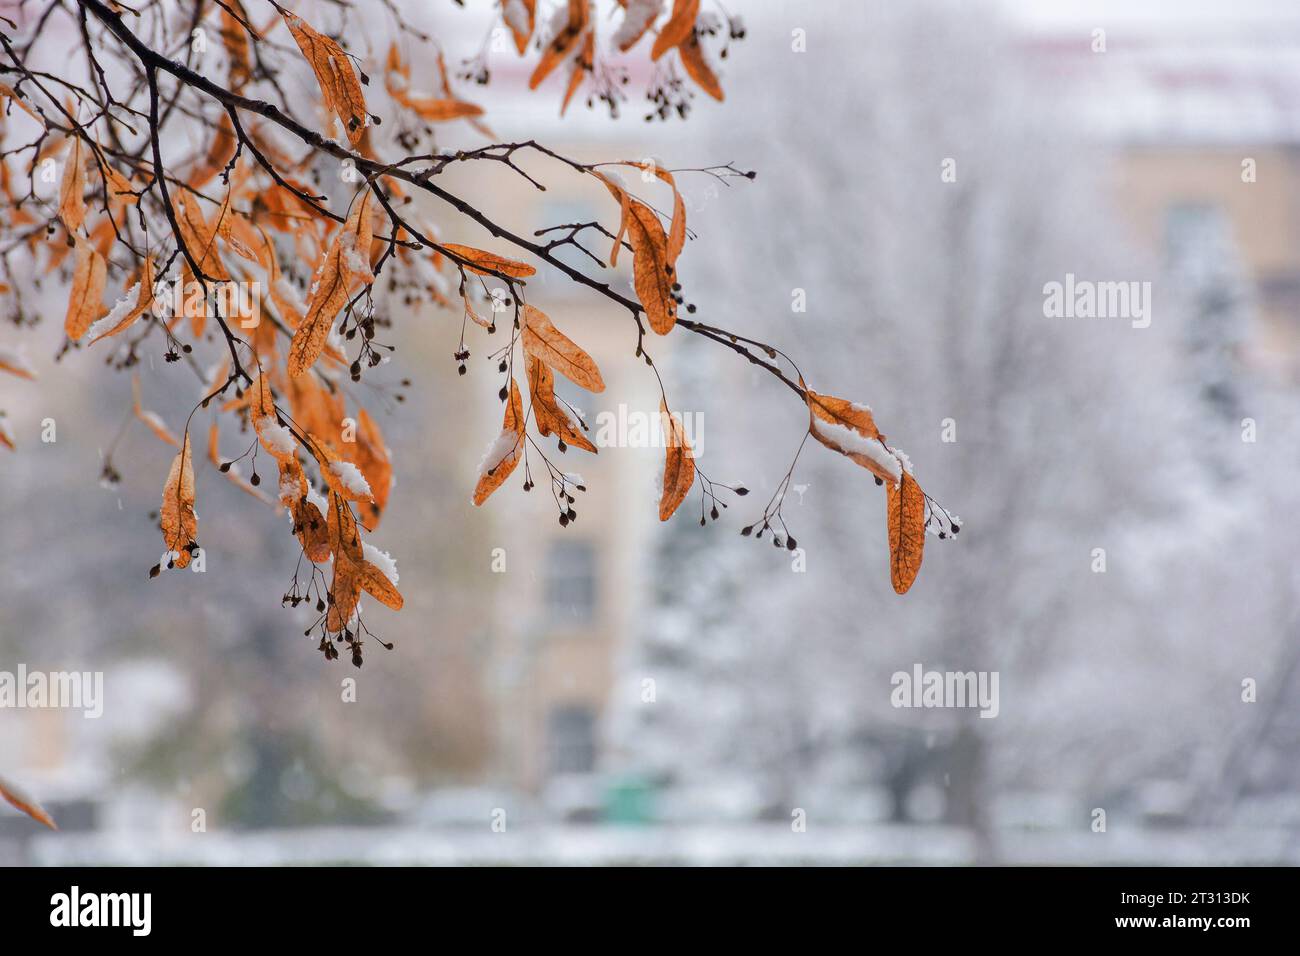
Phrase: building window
{"type": "Point", "coordinates": [571, 580]}
{"type": "Point", "coordinates": [571, 738]}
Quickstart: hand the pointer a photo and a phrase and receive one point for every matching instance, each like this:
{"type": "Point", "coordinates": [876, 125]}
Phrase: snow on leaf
{"type": "Point", "coordinates": [505, 451]}
{"type": "Point", "coordinates": [19, 798]}
{"type": "Point", "coordinates": [677, 29]}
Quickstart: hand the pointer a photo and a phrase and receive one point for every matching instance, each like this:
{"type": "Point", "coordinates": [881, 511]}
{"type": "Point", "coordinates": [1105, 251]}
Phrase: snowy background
{"type": "Point", "coordinates": [629, 692]}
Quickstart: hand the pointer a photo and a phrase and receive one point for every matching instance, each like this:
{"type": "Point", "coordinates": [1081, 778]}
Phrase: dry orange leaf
{"type": "Point", "coordinates": [238, 46]}
{"type": "Point", "coordinates": [544, 341]}
{"type": "Point", "coordinates": [522, 31]}
{"type": "Point", "coordinates": [344, 478]}
{"type": "Point", "coordinates": [19, 798]}
{"type": "Point", "coordinates": [15, 363]}
{"type": "Point", "coordinates": [437, 110]}
{"type": "Point", "coordinates": [563, 43]}
{"type": "Point", "coordinates": [849, 429]}
{"type": "Point", "coordinates": [583, 64]}
{"type": "Point", "coordinates": [345, 594]}
{"type": "Point", "coordinates": [550, 416]}
{"type": "Point", "coordinates": [345, 542]}
{"type": "Point", "coordinates": [632, 31]}
{"type": "Point", "coordinates": [370, 455]}
{"type": "Point", "coordinates": [72, 188]}
{"type": "Point", "coordinates": [488, 263]}
{"type": "Point", "coordinates": [677, 29]}
{"type": "Point", "coordinates": [342, 529]}
{"type": "Point", "coordinates": [201, 237]}
{"type": "Point", "coordinates": [906, 504]}
{"type": "Point", "coordinates": [120, 189]}
{"type": "Point", "coordinates": [334, 74]}
{"type": "Point", "coordinates": [679, 464]}
{"type": "Point", "coordinates": [310, 525]}
{"type": "Point", "coordinates": [345, 265]}
{"type": "Point", "coordinates": [143, 300]}
{"type": "Point", "coordinates": [178, 521]}
{"type": "Point", "coordinates": [676, 239]}
{"type": "Point", "coordinates": [698, 69]}
{"type": "Point", "coordinates": [840, 411]}
{"type": "Point", "coordinates": [504, 453]}
{"type": "Point", "coordinates": [377, 584]}
{"type": "Point", "coordinates": [652, 272]}
{"type": "Point", "coordinates": [7, 92]}
{"type": "Point", "coordinates": [86, 299]}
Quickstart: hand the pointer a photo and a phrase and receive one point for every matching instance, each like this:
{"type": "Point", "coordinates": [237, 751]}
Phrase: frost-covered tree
{"type": "Point", "coordinates": [930, 218]}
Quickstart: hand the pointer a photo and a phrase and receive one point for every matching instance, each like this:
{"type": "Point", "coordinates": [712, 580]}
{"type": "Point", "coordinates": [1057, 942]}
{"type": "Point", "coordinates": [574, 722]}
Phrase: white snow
{"type": "Point", "coordinates": [317, 499]}
{"type": "Point", "coordinates": [516, 15]}
{"type": "Point", "coordinates": [353, 261]}
{"type": "Point", "coordinates": [851, 442]}
{"type": "Point", "coordinates": [380, 559]}
{"type": "Point", "coordinates": [504, 446]}
{"type": "Point", "coordinates": [288, 490]}
{"type": "Point", "coordinates": [639, 13]}
{"type": "Point", "coordinates": [278, 440]}
{"type": "Point", "coordinates": [287, 291]}
{"type": "Point", "coordinates": [119, 311]}
{"type": "Point", "coordinates": [349, 475]}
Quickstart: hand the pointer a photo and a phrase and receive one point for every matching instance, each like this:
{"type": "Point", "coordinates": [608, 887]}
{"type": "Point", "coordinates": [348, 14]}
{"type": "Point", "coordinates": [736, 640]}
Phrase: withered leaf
{"type": "Point", "coordinates": [334, 74]}
{"type": "Point", "coordinates": [678, 27]}
{"type": "Point", "coordinates": [86, 299]}
{"type": "Point", "coordinates": [550, 416]}
{"type": "Point", "coordinates": [544, 341]}
{"type": "Point", "coordinates": [679, 464]}
{"type": "Point", "coordinates": [377, 584]}
{"type": "Point", "coordinates": [488, 263]}
{"type": "Point", "coordinates": [652, 273]}
{"type": "Point", "coordinates": [583, 64]}
{"type": "Point", "coordinates": [346, 265]}
{"type": "Point", "coordinates": [26, 803]}
{"type": "Point", "coordinates": [850, 429]}
{"type": "Point", "coordinates": [906, 504]}
{"type": "Point", "coordinates": [522, 32]}
{"type": "Point", "coordinates": [369, 453]}
{"type": "Point", "coordinates": [178, 521]}
{"type": "Point", "coordinates": [504, 453]}
{"type": "Point", "coordinates": [698, 69]}
{"type": "Point", "coordinates": [563, 43]}
{"type": "Point", "coordinates": [144, 299]}
{"type": "Point", "coordinates": [72, 188]}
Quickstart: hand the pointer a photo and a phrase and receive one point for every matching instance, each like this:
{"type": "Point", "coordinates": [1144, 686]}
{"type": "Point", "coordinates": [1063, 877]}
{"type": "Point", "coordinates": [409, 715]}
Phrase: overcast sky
{"type": "Point", "coordinates": [1181, 13]}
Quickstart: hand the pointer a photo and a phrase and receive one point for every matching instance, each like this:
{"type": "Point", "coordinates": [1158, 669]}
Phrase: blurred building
{"type": "Point", "coordinates": [1205, 124]}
